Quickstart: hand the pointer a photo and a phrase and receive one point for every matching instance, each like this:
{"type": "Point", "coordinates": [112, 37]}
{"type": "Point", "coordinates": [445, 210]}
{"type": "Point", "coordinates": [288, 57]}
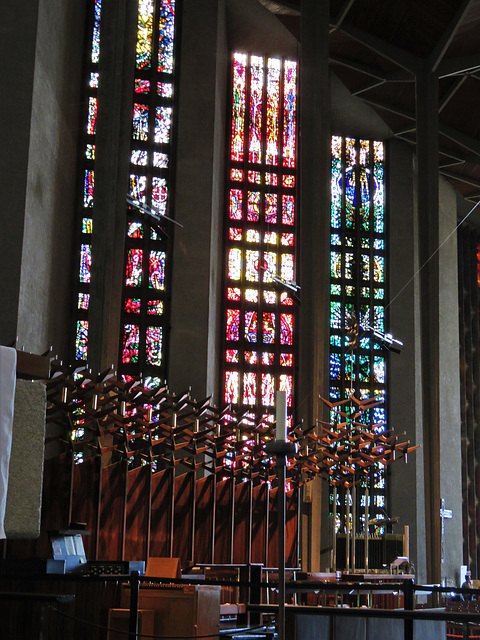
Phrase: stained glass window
{"type": "Point", "coordinates": [87, 202]}
{"type": "Point", "coordinates": [148, 243]}
{"type": "Point", "coordinates": [358, 359]}
{"type": "Point", "coordinates": [259, 335]}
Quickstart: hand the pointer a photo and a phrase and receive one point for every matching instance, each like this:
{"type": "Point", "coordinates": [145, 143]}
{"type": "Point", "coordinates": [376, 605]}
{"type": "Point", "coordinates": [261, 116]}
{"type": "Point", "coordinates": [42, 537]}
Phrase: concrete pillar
{"type": "Point", "coordinates": [17, 52]}
{"type": "Point", "coordinates": [313, 237]}
{"type": "Point", "coordinates": [428, 237]}
{"type": "Point", "coordinates": [40, 112]}
{"type": "Point", "coordinates": [116, 70]}
{"type": "Point", "coordinates": [449, 395]}
{"type": "Point", "coordinates": [197, 257]}
{"type": "Point", "coordinates": [407, 481]}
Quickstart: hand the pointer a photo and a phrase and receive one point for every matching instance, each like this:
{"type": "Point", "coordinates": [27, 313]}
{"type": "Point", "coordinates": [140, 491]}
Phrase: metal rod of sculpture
{"type": "Point", "coordinates": [281, 436]}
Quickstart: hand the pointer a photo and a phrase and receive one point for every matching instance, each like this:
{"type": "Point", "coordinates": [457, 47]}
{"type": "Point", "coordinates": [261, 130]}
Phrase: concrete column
{"type": "Point", "coordinates": [17, 52]}
{"type": "Point", "coordinates": [313, 236]}
{"type": "Point", "coordinates": [197, 257]}
{"type": "Point", "coordinates": [428, 237]}
{"type": "Point", "coordinates": [116, 69]}
{"type": "Point", "coordinates": [406, 483]}
{"type": "Point", "coordinates": [39, 111]}
{"type": "Point", "coordinates": [449, 381]}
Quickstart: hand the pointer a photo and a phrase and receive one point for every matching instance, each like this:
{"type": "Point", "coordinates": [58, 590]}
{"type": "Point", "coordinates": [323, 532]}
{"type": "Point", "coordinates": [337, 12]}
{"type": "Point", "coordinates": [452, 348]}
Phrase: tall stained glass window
{"type": "Point", "coordinates": [260, 309]}
{"type": "Point", "coordinates": [145, 290]}
{"type": "Point", "coordinates": [358, 295]}
{"type": "Point", "coordinates": [87, 199]}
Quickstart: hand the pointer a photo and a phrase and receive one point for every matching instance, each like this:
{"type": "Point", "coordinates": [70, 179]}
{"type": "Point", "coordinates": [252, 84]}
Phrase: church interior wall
{"type": "Point", "coordinates": [38, 180]}
{"type": "Point", "coordinates": [17, 49]}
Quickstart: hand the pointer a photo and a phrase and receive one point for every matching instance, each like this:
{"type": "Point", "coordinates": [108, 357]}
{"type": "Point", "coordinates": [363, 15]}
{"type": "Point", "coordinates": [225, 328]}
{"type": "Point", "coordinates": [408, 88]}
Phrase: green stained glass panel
{"type": "Point", "coordinates": [379, 268]}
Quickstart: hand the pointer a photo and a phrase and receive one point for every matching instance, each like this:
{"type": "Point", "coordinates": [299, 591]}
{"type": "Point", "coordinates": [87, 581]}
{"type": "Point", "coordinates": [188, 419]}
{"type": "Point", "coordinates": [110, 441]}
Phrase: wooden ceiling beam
{"type": "Point", "coordinates": [391, 108]}
{"type": "Point", "coordinates": [462, 139]}
{"type": "Point", "coordinates": [442, 45]}
{"type": "Point", "coordinates": [465, 179]}
{"type": "Point", "coordinates": [445, 99]}
{"type": "Point", "coordinates": [390, 52]}
{"type": "Point", "coordinates": [347, 5]}
{"type": "Point", "coordinates": [361, 68]}
{"type": "Point", "coordinates": [281, 7]}
{"type": "Point", "coordinates": [368, 87]}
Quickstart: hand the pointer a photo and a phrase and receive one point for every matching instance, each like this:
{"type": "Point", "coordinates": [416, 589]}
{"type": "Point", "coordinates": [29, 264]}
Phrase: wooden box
{"type": "Point", "coordinates": [119, 620]}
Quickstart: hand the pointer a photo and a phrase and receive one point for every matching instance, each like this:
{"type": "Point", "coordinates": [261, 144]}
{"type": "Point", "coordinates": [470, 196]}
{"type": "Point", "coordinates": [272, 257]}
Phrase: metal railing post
{"type": "Point", "coordinates": [133, 621]}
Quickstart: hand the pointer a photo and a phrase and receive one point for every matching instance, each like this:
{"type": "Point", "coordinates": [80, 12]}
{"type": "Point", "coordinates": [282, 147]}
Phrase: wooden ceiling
{"type": "Point", "coordinates": [379, 49]}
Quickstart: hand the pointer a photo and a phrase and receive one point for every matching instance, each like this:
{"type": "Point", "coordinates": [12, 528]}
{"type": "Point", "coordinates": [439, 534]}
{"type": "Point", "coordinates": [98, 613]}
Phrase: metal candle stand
{"type": "Point", "coordinates": [281, 450]}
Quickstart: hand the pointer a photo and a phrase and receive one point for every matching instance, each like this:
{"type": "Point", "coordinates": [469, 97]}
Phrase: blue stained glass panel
{"type": "Point", "coordinates": [140, 122]}
{"type": "Point", "coordinates": [85, 263]}
{"type": "Point", "coordinates": [378, 188]}
{"type": "Point", "coordinates": [95, 56]}
{"type": "Point", "coordinates": [163, 122]}
{"type": "Point", "coordinates": [166, 36]}
{"type": "Point", "coordinates": [88, 188]}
